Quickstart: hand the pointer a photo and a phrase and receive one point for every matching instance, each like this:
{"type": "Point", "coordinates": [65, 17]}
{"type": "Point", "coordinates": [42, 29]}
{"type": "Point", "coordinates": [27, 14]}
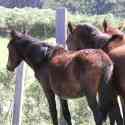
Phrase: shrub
{"type": "Point", "coordinates": [41, 22]}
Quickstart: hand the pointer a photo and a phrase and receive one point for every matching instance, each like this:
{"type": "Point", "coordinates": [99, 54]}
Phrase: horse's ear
{"type": "Point", "coordinates": [70, 27]}
{"type": "Point", "coordinates": [122, 26]}
{"type": "Point", "coordinates": [105, 25]}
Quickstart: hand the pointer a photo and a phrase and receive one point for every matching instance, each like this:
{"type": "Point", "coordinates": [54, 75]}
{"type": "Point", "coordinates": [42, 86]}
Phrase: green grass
{"type": "Point", "coordinates": [3, 52]}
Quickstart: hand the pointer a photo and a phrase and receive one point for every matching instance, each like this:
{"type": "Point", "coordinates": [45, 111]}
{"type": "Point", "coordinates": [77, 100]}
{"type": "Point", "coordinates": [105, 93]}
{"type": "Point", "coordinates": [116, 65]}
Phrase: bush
{"type": "Point", "coordinates": [41, 22]}
{"type": "Point", "coordinates": [38, 22]}
{"type": "Point", "coordinates": [6, 95]}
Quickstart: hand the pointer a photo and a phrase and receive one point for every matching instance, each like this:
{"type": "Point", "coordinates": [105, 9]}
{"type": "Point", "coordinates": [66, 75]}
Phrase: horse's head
{"type": "Point", "coordinates": [14, 58]}
{"type": "Point", "coordinates": [88, 36]}
{"type": "Point", "coordinates": [110, 30]}
{"type": "Point", "coordinates": [24, 47]}
{"type": "Point", "coordinates": [85, 36]}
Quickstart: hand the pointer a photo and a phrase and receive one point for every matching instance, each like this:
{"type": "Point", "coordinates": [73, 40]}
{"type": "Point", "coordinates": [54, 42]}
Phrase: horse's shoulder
{"type": "Point", "coordinates": [62, 58]}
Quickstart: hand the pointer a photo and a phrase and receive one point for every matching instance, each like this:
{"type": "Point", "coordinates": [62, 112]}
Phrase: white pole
{"type": "Point", "coordinates": [17, 109]}
{"type": "Point", "coordinates": [61, 35]}
{"type": "Point", "coordinates": [61, 25]}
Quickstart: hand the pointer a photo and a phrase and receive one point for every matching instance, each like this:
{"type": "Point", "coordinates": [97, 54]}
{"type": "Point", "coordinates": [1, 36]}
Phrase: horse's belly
{"type": "Point", "coordinates": [68, 89]}
{"type": "Point", "coordinates": [121, 80]}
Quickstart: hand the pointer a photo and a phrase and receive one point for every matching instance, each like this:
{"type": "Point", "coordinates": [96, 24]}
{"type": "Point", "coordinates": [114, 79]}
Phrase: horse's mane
{"type": "Point", "coordinates": [88, 28]}
{"type": "Point", "coordinates": [32, 40]}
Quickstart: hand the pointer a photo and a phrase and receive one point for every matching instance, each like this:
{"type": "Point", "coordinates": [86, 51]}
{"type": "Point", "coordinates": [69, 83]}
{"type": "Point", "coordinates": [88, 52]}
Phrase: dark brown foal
{"type": "Point", "coordinates": [69, 74]}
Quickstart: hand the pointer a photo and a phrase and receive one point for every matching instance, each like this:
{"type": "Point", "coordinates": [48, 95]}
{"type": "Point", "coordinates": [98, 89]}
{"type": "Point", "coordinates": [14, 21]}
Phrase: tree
{"type": "Point", "coordinates": [88, 6]}
{"type": "Point", "coordinates": [22, 3]}
{"type": "Point", "coordinates": [72, 5]}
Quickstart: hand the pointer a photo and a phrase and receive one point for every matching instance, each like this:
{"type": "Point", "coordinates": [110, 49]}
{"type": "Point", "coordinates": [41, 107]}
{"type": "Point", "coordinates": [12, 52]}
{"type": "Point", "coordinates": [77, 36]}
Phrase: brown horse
{"type": "Point", "coordinates": [118, 57]}
{"type": "Point", "coordinates": [88, 36]}
{"type": "Point", "coordinates": [117, 49]}
{"type": "Point", "coordinates": [69, 74]}
{"type": "Point", "coordinates": [85, 36]}
{"type": "Point", "coordinates": [110, 30]}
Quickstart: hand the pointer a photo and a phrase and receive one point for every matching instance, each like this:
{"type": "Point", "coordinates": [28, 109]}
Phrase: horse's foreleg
{"type": "Point", "coordinates": [50, 98]}
{"type": "Point", "coordinates": [65, 111]}
{"type": "Point", "coordinates": [52, 106]}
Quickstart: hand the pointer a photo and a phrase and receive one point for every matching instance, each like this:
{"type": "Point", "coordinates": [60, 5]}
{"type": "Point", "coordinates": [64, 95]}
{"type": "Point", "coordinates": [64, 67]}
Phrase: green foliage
{"type": "Point", "coordinates": [6, 98]}
{"type": "Point", "coordinates": [75, 6]}
{"type": "Point", "coordinates": [89, 7]}
{"type": "Point", "coordinates": [38, 22]}
{"type": "Point", "coordinates": [41, 22]}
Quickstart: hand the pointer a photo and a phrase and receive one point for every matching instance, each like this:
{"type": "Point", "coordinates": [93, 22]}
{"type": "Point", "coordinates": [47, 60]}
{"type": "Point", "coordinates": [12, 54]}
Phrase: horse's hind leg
{"type": "Point", "coordinates": [53, 111]}
{"type": "Point", "coordinates": [65, 111]}
{"type": "Point", "coordinates": [115, 116]}
{"type": "Point", "coordinates": [98, 116]}
{"type": "Point", "coordinates": [111, 117]}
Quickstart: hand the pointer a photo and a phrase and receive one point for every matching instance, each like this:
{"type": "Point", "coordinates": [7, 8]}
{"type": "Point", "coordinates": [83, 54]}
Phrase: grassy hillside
{"type": "Point", "coordinates": [3, 52]}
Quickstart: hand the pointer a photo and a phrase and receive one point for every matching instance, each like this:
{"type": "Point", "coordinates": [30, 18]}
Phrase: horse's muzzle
{"type": "Point", "coordinates": [11, 69]}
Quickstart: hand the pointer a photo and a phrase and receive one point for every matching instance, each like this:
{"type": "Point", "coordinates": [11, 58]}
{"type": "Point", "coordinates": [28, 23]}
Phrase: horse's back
{"type": "Point", "coordinates": [75, 72]}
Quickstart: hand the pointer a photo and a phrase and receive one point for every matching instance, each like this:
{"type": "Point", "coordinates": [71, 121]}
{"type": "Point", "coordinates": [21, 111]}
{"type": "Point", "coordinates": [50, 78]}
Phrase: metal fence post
{"type": "Point", "coordinates": [61, 35]}
{"type": "Point", "coordinates": [17, 108]}
{"type": "Point", "coordinates": [61, 25]}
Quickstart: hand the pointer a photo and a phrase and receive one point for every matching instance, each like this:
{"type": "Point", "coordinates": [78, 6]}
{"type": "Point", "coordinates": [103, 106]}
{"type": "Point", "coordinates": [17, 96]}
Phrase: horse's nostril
{"type": "Point", "coordinates": [7, 67]}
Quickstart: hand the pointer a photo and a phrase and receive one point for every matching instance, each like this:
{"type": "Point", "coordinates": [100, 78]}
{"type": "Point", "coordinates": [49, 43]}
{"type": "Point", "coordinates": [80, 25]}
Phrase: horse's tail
{"type": "Point", "coordinates": [106, 94]}
{"type": "Point", "coordinates": [105, 97]}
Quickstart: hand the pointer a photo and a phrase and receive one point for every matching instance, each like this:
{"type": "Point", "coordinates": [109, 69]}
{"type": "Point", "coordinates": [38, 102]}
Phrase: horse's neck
{"type": "Point", "coordinates": [26, 54]}
{"type": "Point", "coordinates": [116, 44]}
{"type": "Point", "coordinates": [56, 51]}
{"type": "Point", "coordinates": [101, 39]}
